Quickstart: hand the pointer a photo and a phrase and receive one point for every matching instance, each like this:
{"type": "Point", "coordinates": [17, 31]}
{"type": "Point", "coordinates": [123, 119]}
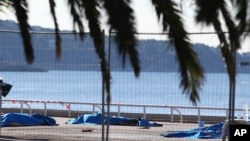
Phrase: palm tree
{"type": "Point", "coordinates": [215, 12]}
{"type": "Point", "coordinates": [208, 13]}
{"type": "Point", "coordinates": [121, 19]}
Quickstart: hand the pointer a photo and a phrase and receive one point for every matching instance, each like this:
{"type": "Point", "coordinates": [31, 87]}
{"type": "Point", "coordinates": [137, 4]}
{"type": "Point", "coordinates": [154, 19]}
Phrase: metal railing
{"type": "Point", "coordinates": [68, 105]}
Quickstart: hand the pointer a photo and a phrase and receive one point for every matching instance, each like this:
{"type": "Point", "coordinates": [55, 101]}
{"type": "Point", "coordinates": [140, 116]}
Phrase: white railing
{"type": "Point", "coordinates": [67, 106]}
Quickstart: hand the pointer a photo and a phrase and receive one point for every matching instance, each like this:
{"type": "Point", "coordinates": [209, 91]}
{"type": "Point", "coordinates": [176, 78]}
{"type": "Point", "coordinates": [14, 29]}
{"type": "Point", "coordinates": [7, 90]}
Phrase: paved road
{"type": "Point", "coordinates": [64, 132]}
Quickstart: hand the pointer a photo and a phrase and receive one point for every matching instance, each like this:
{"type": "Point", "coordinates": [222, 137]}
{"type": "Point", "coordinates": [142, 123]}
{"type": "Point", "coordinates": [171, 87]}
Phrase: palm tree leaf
{"type": "Point", "coordinates": [207, 10]}
{"type": "Point", "coordinates": [121, 20]}
{"type": "Point", "coordinates": [233, 31]}
{"type": "Point", "coordinates": [242, 14]}
{"type": "Point", "coordinates": [227, 54]}
{"type": "Point", "coordinates": [58, 37]}
{"type": "Point", "coordinates": [5, 3]}
{"type": "Point", "coordinates": [212, 17]}
{"type": "Point", "coordinates": [21, 7]}
{"type": "Point", "coordinates": [190, 69]}
{"type": "Point", "coordinates": [75, 10]}
{"type": "Point", "coordinates": [92, 15]}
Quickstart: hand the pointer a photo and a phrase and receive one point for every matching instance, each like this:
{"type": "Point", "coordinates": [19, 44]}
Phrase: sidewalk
{"type": "Point", "coordinates": [64, 132]}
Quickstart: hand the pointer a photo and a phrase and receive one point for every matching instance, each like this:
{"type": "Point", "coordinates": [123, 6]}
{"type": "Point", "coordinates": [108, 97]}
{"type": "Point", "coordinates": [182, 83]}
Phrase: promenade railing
{"type": "Point", "coordinates": [96, 107]}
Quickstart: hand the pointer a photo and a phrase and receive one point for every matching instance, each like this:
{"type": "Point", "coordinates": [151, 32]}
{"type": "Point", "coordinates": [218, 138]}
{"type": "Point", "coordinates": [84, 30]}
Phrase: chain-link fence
{"type": "Point", "coordinates": [73, 84]}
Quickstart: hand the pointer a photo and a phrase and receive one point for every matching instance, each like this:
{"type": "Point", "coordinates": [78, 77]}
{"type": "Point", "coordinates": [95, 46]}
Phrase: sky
{"type": "Point", "coordinates": [39, 14]}
{"type": "Point", "coordinates": [142, 7]}
{"type": "Point", "coordinates": [145, 18]}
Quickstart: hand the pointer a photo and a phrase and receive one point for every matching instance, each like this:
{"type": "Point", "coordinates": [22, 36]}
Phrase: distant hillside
{"type": "Point", "coordinates": [155, 55]}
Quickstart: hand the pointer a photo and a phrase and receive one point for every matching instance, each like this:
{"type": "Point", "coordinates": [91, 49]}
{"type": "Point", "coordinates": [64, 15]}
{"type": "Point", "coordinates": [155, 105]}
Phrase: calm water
{"type": "Point", "coordinates": [149, 88]}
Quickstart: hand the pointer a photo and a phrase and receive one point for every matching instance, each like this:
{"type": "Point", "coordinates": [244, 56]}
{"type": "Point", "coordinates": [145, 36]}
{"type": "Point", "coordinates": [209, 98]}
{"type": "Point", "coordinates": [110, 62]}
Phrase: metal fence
{"type": "Point", "coordinates": [172, 114]}
{"type": "Point", "coordinates": [159, 77]}
{"type": "Point", "coordinates": [75, 81]}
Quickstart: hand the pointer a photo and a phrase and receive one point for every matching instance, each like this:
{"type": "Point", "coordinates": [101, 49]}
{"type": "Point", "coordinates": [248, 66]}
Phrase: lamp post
{"type": "Point", "coordinates": [4, 90]}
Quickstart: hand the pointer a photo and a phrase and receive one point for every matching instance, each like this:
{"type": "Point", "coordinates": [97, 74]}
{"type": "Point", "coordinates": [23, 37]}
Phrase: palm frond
{"type": "Point", "coordinates": [121, 20]}
{"type": "Point", "coordinates": [57, 34]}
{"type": "Point", "coordinates": [212, 17]}
{"type": "Point", "coordinates": [4, 2]}
{"type": "Point", "coordinates": [225, 50]}
{"type": "Point", "coordinates": [92, 15]}
{"type": "Point", "coordinates": [190, 69]}
{"type": "Point", "coordinates": [242, 14]}
{"type": "Point", "coordinates": [21, 7]}
{"type": "Point", "coordinates": [234, 35]}
{"type": "Point", "coordinates": [75, 11]}
{"type": "Point", "coordinates": [207, 10]}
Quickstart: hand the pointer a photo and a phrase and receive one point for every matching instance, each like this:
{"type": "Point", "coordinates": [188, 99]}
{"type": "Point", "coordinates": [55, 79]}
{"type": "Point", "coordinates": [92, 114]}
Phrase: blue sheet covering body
{"type": "Point", "coordinates": [121, 121]}
{"type": "Point", "coordinates": [86, 119]}
{"type": "Point", "coordinates": [20, 119]}
{"type": "Point", "coordinates": [208, 132]}
{"type": "Point", "coordinates": [45, 119]}
{"type": "Point", "coordinates": [96, 118]}
{"type": "Point", "coordinates": [92, 119]}
{"type": "Point", "coordinates": [144, 122]}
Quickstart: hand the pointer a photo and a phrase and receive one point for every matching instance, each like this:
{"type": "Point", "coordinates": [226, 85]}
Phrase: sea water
{"type": "Point", "coordinates": [150, 88]}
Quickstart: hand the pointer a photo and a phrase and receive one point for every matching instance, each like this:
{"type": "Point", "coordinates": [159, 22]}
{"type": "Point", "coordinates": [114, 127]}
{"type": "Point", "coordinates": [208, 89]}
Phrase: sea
{"type": "Point", "coordinates": [150, 88]}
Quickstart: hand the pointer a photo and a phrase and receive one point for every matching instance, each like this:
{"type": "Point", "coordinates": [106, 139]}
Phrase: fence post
{"type": "Point", "coordinates": [21, 107]}
{"type": "Point", "coordinates": [144, 112]}
{"type": "Point", "coordinates": [69, 111]}
{"type": "Point", "coordinates": [227, 115]}
{"type": "Point", "coordinates": [172, 114]}
{"type": "Point", "coordinates": [119, 110]}
{"type": "Point", "coordinates": [199, 115]}
{"type": "Point", "coordinates": [45, 108]}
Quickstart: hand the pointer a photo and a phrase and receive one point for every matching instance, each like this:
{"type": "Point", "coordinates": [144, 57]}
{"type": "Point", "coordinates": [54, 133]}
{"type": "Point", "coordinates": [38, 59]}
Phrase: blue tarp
{"type": "Point", "coordinates": [208, 132]}
{"type": "Point", "coordinates": [97, 119]}
{"type": "Point", "coordinates": [20, 119]}
{"type": "Point", "coordinates": [144, 122]}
